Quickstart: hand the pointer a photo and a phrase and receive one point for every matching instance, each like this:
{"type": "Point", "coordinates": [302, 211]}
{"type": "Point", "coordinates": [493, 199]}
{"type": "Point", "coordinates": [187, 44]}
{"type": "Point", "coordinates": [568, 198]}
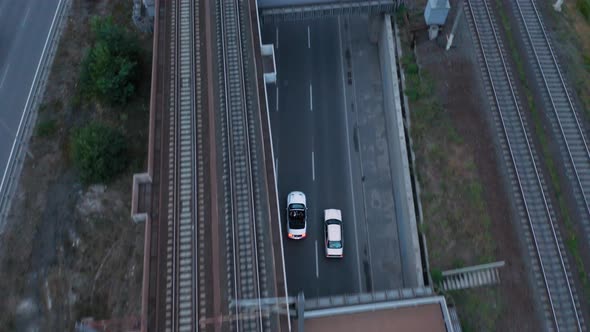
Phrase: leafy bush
{"type": "Point", "coordinates": [437, 277]}
{"type": "Point", "coordinates": [46, 128]}
{"type": "Point", "coordinates": [584, 8]}
{"type": "Point", "coordinates": [99, 152]}
{"type": "Point", "coordinates": [110, 68]}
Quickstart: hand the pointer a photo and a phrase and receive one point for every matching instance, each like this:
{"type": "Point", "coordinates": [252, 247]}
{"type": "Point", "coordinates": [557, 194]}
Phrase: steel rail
{"type": "Point", "coordinates": [562, 106]}
{"type": "Point", "coordinates": [544, 251]}
{"type": "Point", "coordinates": [173, 188]}
{"type": "Point", "coordinates": [196, 158]}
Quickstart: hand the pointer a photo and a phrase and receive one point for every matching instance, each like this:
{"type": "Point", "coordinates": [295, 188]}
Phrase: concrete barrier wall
{"type": "Point", "coordinates": [398, 158]}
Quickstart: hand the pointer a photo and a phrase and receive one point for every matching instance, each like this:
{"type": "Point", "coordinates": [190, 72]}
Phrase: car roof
{"type": "Point", "coordinates": [334, 232]}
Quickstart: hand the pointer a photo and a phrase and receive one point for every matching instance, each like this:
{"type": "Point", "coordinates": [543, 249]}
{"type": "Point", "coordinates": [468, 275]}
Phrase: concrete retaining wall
{"type": "Point", "coordinates": [398, 158]}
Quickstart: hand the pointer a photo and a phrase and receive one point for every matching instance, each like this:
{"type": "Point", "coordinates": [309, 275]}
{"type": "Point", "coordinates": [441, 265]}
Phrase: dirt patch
{"type": "Point", "coordinates": [466, 207]}
{"type": "Point", "coordinates": [69, 251]}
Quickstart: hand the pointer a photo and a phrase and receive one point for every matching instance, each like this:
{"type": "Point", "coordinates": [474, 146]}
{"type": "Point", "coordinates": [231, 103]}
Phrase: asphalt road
{"type": "Point", "coordinates": [312, 137]}
{"type": "Point", "coordinates": [24, 26]}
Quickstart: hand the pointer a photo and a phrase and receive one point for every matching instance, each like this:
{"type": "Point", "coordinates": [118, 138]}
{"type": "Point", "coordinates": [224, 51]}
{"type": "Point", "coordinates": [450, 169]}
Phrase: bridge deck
{"type": "Point", "coordinates": [152, 193]}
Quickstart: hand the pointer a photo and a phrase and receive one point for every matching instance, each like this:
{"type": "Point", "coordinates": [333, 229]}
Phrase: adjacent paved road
{"type": "Point", "coordinates": [310, 139]}
{"type": "Point", "coordinates": [24, 26]}
{"type": "Point", "coordinates": [334, 150]}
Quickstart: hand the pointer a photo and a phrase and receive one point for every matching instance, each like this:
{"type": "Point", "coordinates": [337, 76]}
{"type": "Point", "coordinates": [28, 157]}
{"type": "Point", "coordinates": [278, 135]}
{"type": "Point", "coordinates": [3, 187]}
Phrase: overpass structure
{"type": "Point", "coordinates": [214, 255]}
{"type": "Point", "coordinates": [209, 231]}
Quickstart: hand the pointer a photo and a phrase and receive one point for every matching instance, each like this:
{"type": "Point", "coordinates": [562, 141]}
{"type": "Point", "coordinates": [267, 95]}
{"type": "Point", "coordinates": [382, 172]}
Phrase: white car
{"type": "Point", "coordinates": [333, 233]}
{"type": "Point", "coordinates": [296, 215]}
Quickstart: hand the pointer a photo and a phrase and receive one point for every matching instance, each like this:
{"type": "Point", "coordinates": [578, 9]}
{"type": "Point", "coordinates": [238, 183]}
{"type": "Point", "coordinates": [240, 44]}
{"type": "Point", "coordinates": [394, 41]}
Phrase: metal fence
{"type": "Point", "coordinates": [304, 12]}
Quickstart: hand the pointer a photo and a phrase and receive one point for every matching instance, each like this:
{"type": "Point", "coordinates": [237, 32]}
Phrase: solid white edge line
{"type": "Point", "coordinates": [312, 166]}
{"type": "Point", "coordinates": [308, 37]}
{"type": "Point", "coordinates": [310, 97]}
{"type": "Point", "coordinates": [349, 158]}
{"type": "Point", "coordinates": [20, 124]}
{"type": "Point", "coordinates": [276, 167]}
{"type": "Point", "coordinates": [276, 180]}
{"type": "Point", "coordinates": [277, 98]}
{"type": "Point", "coordinates": [317, 264]}
{"type": "Point", "coordinates": [280, 221]}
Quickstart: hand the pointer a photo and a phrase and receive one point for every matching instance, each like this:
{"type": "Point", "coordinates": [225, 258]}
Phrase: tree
{"type": "Point", "coordinates": [110, 68]}
{"type": "Point", "coordinates": [99, 153]}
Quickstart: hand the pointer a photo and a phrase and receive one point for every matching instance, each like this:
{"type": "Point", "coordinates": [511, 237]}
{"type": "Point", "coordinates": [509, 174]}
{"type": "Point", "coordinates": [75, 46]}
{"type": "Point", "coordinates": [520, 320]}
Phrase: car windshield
{"type": "Point", "coordinates": [334, 244]}
{"type": "Point", "coordinates": [297, 206]}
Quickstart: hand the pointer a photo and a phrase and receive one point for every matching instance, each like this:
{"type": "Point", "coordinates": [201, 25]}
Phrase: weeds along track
{"type": "Point", "coordinates": [186, 171]}
{"type": "Point", "coordinates": [241, 179]}
{"type": "Point", "coordinates": [559, 106]}
{"type": "Point", "coordinates": [550, 266]}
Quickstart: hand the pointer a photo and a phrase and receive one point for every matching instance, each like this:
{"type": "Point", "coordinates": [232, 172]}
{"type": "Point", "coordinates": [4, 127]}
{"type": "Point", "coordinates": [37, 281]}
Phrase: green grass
{"type": "Point", "coordinates": [477, 312]}
{"type": "Point", "coordinates": [570, 236]}
{"type": "Point", "coordinates": [434, 135]}
{"type": "Point", "coordinates": [437, 276]}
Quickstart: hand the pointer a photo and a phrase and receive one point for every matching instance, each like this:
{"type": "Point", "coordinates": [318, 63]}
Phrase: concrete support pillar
{"type": "Point", "coordinates": [300, 312]}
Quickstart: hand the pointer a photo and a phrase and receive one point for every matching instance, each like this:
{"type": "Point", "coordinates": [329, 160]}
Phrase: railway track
{"type": "Point", "coordinates": [186, 203]}
{"type": "Point", "coordinates": [191, 123]}
{"type": "Point", "coordinates": [241, 180]}
{"type": "Point", "coordinates": [559, 105]}
{"type": "Point", "coordinates": [550, 265]}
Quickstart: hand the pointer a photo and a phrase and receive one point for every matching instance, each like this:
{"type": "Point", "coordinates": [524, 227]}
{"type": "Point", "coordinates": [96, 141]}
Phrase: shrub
{"type": "Point", "coordinates": [99, 152]}
{"type": "Point", "coordinates": [584, 8]}
{"type": "Point", "coordinates": [110, 68]}
{"type": "Point", "coordinates": [46, 128]}
{"type": "Point", "coordinates": [437, 276]}
{"type": "Point", "coordinates": [119, 41]}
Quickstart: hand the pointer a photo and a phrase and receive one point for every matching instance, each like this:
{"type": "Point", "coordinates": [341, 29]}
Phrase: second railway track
{"type": "Point", "coordinates": [240, 146]}
{"type": "Point", "coordinates": [550, 265]}
{"type": "Point", "coordinates": [559, 106]}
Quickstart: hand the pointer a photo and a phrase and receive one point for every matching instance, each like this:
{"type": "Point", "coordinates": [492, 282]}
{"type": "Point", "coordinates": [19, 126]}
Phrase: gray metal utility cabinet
{"type": "Point", "coordinates": [436, 12]}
